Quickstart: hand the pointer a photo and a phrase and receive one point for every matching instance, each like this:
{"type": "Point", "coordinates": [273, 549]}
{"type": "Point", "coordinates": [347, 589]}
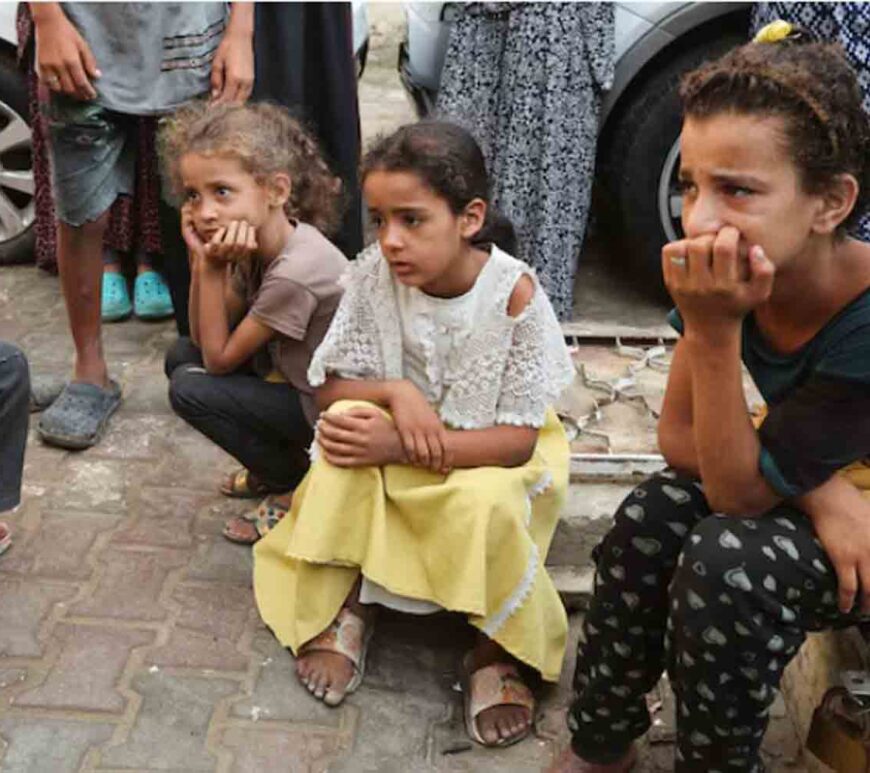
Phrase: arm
{"type": "Point", "coordinates": [675, 431]}
{"type": "Point", "coordinates": [232, 72]}
{"type": "Point", "coordinates": [64, 60]}
{"type": "Point", "coordinates": [222, 351]}
{"type": "Point", "coordinates": [704, 277]}
{"type": "Point", "coordinates": [841, 519]}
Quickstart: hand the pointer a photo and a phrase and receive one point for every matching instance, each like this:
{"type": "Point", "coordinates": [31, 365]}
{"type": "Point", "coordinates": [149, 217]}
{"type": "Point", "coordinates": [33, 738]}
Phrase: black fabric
{"type": "Point", "coordinates": [821, 427]}
{"type": "Point", "coordinates": [304, 61]}
{"type": "Point", "coordinates": [174, 265]}
{"type": "Point", "coordinates": [723, 603]}
{"type": "Point", "coordinates": [261, 424]}
{"type": "Point", "coordinates": [14, 417]}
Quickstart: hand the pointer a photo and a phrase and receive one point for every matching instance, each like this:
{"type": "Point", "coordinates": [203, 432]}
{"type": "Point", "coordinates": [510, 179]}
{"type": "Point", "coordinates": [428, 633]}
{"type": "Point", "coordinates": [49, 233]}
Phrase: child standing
{"type": "Point", "coordinates": [717, 568]}
{"type": "Point", "coordinates": [442, 466]}
{"type": "Point", "coordinates": [264, 289]}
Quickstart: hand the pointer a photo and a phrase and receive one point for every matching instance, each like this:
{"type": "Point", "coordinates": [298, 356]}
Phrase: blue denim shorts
{"type": "Point", "coordinates": [93, 157]}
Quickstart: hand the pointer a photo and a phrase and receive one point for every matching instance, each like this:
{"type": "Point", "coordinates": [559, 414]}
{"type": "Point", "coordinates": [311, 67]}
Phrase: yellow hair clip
{"type": "Point", "coordinates": [774, 32]}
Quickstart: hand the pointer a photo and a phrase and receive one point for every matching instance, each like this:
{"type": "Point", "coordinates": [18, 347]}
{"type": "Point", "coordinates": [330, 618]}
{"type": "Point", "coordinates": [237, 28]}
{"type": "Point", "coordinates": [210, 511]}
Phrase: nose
{"type": "Point", "coordinates": [701, 215]}
{"type": "Point", "coordinates": [391, 238]}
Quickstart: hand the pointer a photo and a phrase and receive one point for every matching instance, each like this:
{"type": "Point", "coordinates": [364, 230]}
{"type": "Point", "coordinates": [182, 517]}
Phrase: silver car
{"type": "Point", "coordinates": [637, 201]}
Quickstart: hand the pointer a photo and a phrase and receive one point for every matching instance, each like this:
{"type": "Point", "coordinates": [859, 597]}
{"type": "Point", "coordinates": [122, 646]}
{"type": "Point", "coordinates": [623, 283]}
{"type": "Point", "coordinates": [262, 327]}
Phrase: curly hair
{"type": "Point", "coordinates": [450, 162]}
{"type": "Point", "coordinates": [813, 88]}
{"type": "Point", "coordinates": [265, 139]}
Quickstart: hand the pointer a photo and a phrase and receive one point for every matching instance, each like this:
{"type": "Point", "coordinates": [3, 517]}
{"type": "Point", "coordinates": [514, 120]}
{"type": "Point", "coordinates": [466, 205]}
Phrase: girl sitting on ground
{"type": "Point", "coordinates": [441, 464]}
{"type": "Point", "coordinates": [717, 568]}
{"type": "Point", "coordinates": [264, 286]}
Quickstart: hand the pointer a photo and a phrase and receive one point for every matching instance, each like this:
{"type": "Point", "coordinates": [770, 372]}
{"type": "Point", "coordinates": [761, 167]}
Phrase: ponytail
{"type": "Point", "coordinates": [498, 230]}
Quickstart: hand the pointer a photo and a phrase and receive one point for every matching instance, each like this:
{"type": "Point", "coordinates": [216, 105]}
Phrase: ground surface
{"type": "Point", "coordinates": [128, 634]}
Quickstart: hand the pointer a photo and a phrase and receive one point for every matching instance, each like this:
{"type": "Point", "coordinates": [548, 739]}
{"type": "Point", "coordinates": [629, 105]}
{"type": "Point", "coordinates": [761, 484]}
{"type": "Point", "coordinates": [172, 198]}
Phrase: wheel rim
{"type": "Point", "coordinates": [17, 209]}
{"type": "Point", "coordinates": [670, 200]}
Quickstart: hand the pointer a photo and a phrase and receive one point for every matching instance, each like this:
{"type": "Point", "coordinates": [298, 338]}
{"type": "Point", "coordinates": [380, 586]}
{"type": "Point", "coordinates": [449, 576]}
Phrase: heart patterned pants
{"type": "Point", "coordinates": [722, 602]}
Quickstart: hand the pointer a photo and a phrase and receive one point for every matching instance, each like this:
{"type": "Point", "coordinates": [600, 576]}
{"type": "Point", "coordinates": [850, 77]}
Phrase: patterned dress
{"type": "Point", "coordinates": [527, 80]}
{"type": "Point", "coordinates": [846, 23]}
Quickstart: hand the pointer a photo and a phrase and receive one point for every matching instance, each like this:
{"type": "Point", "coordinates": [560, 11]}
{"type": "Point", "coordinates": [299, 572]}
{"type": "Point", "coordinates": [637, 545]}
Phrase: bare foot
{"type": "Point", "coordinates": [498, 724]}
{"type": "Point", "coordinates": [328, 673]}
{"type": "Point", "coordinates": [568, 762]}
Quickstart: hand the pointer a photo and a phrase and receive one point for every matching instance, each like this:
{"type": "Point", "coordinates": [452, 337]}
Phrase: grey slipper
{"type": "Point", "coordinates": [77, 418]}
{"type": "Point", "coordinates": [44, 390]}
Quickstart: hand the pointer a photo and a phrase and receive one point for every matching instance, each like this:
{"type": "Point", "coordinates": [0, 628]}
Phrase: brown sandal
{"type": "Point", "coordinates": [263, 519]}
{"type": "Point", "coordinates": [243, 485]}
{"type": "Point", "coordinates": [498, 684]}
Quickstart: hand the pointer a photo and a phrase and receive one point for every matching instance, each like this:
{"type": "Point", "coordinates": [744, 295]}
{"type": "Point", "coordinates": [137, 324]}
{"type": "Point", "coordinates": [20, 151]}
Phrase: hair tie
{"type": "Point", "coordinates": [781, 31]}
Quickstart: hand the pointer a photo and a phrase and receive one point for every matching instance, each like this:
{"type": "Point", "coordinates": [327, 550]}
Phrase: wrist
{"type": "Point", "coordinates": [715, 334]}
{"type": "Point", "coordinates": [45, 12]}
{"type": "Point", "coordinates": [241, 21]}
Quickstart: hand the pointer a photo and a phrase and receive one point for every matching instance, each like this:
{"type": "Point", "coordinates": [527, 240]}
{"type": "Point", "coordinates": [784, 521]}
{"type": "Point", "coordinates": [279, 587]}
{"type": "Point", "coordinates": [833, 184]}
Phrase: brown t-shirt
{"type": "Point", "coordinates": [296, 295]}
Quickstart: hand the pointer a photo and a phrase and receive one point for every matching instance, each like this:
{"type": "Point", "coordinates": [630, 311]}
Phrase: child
{"type": "Point", "coordinates": [263, 291]}
{"type": "Point", "coordinates": [442, 467]}
{"type": "Point", "coordinates": [717, 568]}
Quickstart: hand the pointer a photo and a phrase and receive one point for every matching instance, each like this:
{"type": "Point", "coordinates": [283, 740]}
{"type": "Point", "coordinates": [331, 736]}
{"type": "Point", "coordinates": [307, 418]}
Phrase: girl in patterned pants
{"type": "Point", "coordinates": [717, 568]}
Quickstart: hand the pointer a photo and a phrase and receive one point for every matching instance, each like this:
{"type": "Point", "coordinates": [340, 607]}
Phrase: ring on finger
{"type": "Point", "coordinates": [53, 82]}
{"type": "Point", "coordinates": [678, 260]}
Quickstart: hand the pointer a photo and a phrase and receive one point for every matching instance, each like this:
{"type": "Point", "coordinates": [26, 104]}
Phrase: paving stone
{"type": "Point", "coordinates": [147, 393]}
{"type": "Point", "coordinates": [60, 547]}
{"type": "Point", "coordinates": [129, 585]}
{"type": "Point", "coordinates": [135, 436]}
{"type": "Point", "coordinates": [48, 745]}
{"type": "Point", "coordinates": [193, 464]}
{"type": "Point", "coordinates": [170, 728]}
{"type": "Point", "coordinates": [25, 605]}
{"type": "Point", "coordinates": [87, 670]}
{"type": "Point", "coordinates": [92, 485]}
{"type": "Point", "coordinates": [290, 751]}
{"type": "Point", "coordinates": [277, 693]}
{"type": "Point", "coordinates": [219, 560]}
{"type": "Point", "coordinates": [164, 517]}
{"type": "Point", "coordinates": [404, 749]}
{"type": "Point", "coordinates": [208, 629]}
{"type": "Point", "coordinates": [11, 676]}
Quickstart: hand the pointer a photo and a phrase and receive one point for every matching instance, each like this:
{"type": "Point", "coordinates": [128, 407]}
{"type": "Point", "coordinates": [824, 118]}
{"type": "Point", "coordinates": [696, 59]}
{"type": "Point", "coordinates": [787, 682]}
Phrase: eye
{"type": "Point", "coordinates": [738, 191]}
{"type": "Point", "coordinates": [222, 191]}
{"type": "Point", "coordinates": [686, 187]}
{"type": "Point", "coordinates": [190, 195]}
{"type": "Point", "coordinates": [411, 220]}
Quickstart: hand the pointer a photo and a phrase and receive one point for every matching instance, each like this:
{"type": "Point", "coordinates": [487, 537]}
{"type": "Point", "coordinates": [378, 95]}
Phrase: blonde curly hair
{"type": "Point", "coordinates": [265, 139]}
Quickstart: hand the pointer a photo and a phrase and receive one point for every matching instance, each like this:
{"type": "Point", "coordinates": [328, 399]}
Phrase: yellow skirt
{"type": "Point", "coordinates": [473, 541]}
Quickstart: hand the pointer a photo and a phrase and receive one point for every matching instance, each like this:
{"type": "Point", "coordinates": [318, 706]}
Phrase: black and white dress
{"type": "Point", "coordinates": [527, 79]}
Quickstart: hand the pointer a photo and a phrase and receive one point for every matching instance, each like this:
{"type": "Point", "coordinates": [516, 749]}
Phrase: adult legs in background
{"type": "Point", "coordinates": [14, 410]}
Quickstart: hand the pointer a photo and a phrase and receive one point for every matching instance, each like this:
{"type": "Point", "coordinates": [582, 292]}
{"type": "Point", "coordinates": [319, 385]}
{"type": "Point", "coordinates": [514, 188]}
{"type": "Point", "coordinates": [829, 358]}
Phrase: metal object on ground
{"type": "Point", "coordinates": [839, 734]}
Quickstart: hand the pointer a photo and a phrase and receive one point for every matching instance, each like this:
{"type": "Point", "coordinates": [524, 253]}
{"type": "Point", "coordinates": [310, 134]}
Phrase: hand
{"type": "Point", "coordinates": [64, 61]}
{"type": "Point", "coordinates": [360, 437]}
{"type": "Point", "coordinates": [232, 70]}
{"type": "Point", "coordinates": [423, 435]}
{"type": "Point", "coordinates": [233, 244]}
{"type": "Point", "coordinates": [845, 536]}
{"type": "Point", "coordinates": [715, 280]}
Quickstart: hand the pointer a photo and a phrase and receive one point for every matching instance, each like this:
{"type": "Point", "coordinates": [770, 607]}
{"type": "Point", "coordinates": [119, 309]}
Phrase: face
{"type": "Point", "coordinates": [736, 170]}
{"type": "Point", "coordinates": [420, 236]}
{"type": "Point", "coordinates": [218, 190]}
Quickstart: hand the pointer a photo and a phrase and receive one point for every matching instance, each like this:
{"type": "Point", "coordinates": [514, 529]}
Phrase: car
{"type": "Point", "coordinates": [636, 198]}
{"type": "Point", "coordinates": [17, 210]}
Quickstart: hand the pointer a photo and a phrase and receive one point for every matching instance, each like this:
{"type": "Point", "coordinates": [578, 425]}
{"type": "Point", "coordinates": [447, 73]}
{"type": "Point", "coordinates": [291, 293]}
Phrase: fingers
{"type": "Point", "coordinates": [726, 256]}
{"type": "Point", "coordinates": [674, 261]}
{"type": "Point", "coordinates": [700, 257]}
{"type": "Point", "coordinates": [218, 70]}
{"type": "Point", "coordinates": [80, 82]}
{"type": "Point", "coordinates": [89, 63]}
{"type": "Point", "coordinates": [761, 272]}
{"type": "Point", "coordinates": [864, 578]}
{"type": "Point", "coordinates": [436, 451]}
{"type": "Point", "coordinates": [847, 586]}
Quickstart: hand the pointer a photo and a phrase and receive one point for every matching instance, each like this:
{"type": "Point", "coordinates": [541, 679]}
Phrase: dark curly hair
{"type": "Point", "coordinates": [265, 139]}
{"type": "Point", "coordinates": [812, 87]}
{"type": "Point", "coordinates": [450, 162]}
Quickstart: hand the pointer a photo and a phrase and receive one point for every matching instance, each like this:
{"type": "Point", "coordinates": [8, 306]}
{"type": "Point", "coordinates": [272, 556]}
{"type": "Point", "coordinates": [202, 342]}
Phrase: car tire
{"type": "Point", "coordinates": [637, 202]}
{"type": "Point", "coordinates": [17, 206]}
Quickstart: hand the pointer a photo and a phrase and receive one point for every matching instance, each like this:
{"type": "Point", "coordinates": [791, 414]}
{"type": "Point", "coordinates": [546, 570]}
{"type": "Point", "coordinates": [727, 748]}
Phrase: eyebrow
{"type": "Point", "coordinates": [727, 175]}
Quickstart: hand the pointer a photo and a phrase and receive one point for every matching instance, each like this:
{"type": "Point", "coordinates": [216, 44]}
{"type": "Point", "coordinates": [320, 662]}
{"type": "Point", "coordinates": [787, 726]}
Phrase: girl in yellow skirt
{"type": "Point", "coordinates": [440, 466]}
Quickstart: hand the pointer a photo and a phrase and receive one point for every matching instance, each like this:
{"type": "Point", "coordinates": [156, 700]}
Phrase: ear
{"type": "Point", "coordinates": [279, 187]}
{"type": "Point", "coordinates": [472, 218]}
{"type": "Point", "coordinates": [836, 204]}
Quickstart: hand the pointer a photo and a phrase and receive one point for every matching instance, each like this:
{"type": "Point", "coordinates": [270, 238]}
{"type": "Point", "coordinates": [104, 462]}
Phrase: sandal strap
{"type": "Point", "coordinates": [345, 636]}
{"type": "Point", "coordinates": [498, 684]}
{"type": "Point", "coordinates": [267, 516]}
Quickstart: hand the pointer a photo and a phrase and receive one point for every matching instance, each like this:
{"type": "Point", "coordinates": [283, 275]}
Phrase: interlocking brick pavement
{"type": "Point", "coordinates": [128, 634]}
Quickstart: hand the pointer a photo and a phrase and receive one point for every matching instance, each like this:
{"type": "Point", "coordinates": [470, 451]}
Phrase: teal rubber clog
{"type": "Point", "coordinates": [151, 299]}
{"type": "Point", "coordinates": [115, 303]}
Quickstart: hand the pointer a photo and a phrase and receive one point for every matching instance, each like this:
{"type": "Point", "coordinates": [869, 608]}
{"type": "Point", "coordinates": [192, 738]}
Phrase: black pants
{"type": "Point", "coordinates": [14, 413]}
{"type": "Point", "coordinates": [724, 603]}
{"type": "Point", "coordinates": [259, 423]}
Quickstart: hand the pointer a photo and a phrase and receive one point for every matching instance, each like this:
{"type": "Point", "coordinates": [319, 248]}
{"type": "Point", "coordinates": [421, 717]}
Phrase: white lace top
{"type": "Point", "coordinates": [475, 363]}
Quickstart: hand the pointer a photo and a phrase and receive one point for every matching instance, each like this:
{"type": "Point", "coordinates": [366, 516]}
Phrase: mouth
{"type": "Point", "coordinates": [401, 268]}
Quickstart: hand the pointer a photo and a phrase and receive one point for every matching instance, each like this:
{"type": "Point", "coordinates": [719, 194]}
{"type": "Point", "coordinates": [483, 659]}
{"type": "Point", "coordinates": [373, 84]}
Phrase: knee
{"type": "Point", "coordinates": [343, 406]}
{"type": "Point", "coordinates": [182, 352]}
{"type": "Point", "coordinates": [14, 374]}
{"type": "Point", "coordinates": [186, 389]}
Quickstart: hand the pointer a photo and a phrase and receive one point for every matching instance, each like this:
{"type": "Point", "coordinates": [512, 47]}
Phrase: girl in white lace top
{"type": "Point", "coordinates": [440, 466]}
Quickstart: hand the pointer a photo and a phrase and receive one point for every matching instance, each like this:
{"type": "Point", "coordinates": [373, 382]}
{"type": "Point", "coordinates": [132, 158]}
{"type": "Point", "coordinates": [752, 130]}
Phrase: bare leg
{"type": "Point", "coordinates": [569, 762]}
{"type": "Point", "coordinates": [80, 261]}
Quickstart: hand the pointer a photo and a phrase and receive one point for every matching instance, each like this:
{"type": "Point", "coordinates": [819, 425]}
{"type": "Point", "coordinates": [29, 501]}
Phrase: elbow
{"type": "Point", "coordinates": [524, 450]}
{"type": "Point", "coordinates": [324, 396]}
{"type": "Point", "coordinates": [216, 366]}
